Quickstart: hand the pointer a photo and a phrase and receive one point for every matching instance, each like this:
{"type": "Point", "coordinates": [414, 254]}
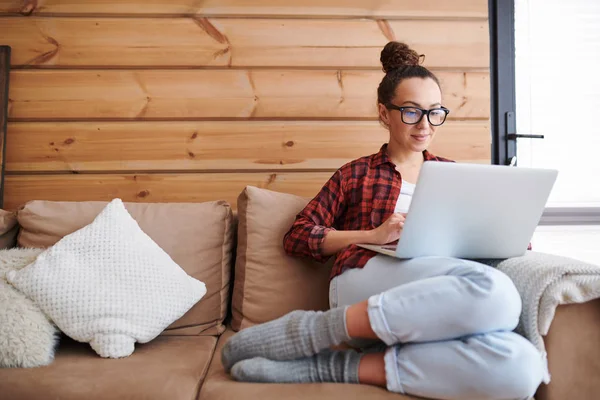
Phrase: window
{"type": "Point", "coordinates": [557, 74]}
{"type": "Point", "coordinates": [557, 92]}
{"type": "Point", "coordinates": [545, 63]}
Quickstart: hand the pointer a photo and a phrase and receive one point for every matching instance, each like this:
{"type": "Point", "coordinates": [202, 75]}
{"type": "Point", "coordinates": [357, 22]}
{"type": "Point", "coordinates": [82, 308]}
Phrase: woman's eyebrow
{"type": "Point", "coordinates": [418, 105]}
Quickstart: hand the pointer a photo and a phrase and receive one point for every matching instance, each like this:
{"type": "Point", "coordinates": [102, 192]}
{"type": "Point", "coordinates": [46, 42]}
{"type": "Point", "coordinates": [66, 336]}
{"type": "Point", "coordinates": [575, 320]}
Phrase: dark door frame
{"type": "Point", "coordinates": [4, 79]}
{"type": "Point", "coordinates": [502, 80]}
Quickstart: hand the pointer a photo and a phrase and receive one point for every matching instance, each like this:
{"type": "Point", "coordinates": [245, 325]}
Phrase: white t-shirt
{"type": "Point", "coordinates": [406, 192]}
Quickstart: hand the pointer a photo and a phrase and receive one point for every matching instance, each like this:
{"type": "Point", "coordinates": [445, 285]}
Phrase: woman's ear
{"type": "Point", "coordinates": [384, 115]}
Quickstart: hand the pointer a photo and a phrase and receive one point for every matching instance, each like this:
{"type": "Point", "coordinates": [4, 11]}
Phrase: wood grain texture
{"type": "Point", "coordinates": [191, 101]}
{"type": "Point", "coordinates": [239, 42]}
{"type": "Point", "coordinates": [189, 94]}
{"type": "Point", "coordinates": [221, 145]}
{"type": "Point", "coordinates": [155, 187]}
{"type": "Point", "coordinates": [297, 8]}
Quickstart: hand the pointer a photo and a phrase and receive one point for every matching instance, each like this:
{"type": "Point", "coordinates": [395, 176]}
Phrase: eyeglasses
{"type": "Point", "coordinates": [414, 115]}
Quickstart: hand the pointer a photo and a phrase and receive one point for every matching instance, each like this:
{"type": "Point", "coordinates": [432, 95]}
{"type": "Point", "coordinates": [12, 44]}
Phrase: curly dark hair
{"type": "Point", "coordinates": [400, 62]}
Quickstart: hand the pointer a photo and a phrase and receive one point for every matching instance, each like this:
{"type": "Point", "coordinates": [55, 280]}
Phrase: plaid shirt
{"type": "Point", "coordinates": [361, 195]}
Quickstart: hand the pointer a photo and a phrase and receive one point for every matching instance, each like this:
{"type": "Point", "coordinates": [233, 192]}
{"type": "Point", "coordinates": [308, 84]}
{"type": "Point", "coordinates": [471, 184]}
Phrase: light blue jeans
{"type": "Point", "coordinates": [446, 324]}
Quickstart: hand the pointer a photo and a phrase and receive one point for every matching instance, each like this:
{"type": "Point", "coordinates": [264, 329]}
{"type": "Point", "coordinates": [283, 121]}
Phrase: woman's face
{"type": "Point", "coordinates": [412, 92]}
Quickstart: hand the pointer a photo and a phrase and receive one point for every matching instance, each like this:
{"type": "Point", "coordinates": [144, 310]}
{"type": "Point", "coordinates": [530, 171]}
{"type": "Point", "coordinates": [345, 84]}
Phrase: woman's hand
{"type": "Point", "coordinates": [390, 230]}
{"type": "Point", "coordinates": [387, 232]}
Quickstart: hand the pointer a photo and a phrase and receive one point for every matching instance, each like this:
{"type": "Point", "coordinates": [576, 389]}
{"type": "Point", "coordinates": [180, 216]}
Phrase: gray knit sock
{"type": "Point", "coordinates": [328, 366]}
{"type": "Point", "coordinates": [295, 335]}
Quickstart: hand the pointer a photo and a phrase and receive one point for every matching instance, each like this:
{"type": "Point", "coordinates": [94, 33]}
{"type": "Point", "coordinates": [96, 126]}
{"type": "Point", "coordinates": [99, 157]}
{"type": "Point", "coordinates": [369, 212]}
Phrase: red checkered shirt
{"type": "Point", "coordinates": [361, 195]}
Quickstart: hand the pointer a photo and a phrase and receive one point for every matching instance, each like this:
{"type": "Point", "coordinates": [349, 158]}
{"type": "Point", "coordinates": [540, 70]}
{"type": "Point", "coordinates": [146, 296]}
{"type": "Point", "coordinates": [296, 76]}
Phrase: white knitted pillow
{"type": "Point", "coordinates": [109, 284]}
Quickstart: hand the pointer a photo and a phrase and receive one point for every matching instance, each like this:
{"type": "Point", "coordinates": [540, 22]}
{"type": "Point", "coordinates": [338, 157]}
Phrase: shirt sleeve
{"type": "Point", "coordinates": [305, 237]}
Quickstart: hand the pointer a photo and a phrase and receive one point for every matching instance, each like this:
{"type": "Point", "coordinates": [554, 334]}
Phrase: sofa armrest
{"type": "Point", "coordinates": [8, 229]}
{"type": "Point", "coordinates": [573, 347]}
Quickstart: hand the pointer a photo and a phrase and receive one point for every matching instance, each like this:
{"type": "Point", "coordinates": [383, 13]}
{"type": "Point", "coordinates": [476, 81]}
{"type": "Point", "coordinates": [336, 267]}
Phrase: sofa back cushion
{"type": "Point", "coordinates": [197, 236]}
{"type": "Point", "coordinates": [268, 283]}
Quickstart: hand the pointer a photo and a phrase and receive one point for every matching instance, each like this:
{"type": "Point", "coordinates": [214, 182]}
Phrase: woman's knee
{"type": "Point", "coordinates": [520, 367]}
{"type": "Point", "coordinates": [505, 300]}
{"type": "Point", "coordinates": [501, 299]}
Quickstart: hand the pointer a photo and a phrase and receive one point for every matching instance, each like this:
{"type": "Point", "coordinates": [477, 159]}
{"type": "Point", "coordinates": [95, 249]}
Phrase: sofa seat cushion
{"type": "Point", "coordinates": [169, 367]}
{"type": "Point", "coordinates": [218, 385]}
{"type": "Point", "coordinates": [197, 236]}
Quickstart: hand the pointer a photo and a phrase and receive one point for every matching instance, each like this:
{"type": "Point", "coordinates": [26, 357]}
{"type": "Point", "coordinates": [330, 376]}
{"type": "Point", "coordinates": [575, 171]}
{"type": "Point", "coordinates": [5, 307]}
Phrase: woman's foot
{"type": "Point", "coordinates": [328, 366]}
{"type": "Point", "coordinates": [295, 335]}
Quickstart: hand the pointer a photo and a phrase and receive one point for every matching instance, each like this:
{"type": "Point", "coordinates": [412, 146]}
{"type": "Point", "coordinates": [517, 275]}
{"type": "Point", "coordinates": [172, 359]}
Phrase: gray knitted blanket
{"type": "Point", "coordinates": [546, 281]}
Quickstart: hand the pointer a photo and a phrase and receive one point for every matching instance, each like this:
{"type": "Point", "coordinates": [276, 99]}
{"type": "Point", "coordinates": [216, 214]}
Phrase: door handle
{"type": "Point", "coordinates": [512, 136]}
{"type": "Point", "coordinates": [515, 136]}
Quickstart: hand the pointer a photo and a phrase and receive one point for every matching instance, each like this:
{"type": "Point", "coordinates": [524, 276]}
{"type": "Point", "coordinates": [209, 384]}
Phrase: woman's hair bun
{"type": "Point", "coordinates": [396, 55]}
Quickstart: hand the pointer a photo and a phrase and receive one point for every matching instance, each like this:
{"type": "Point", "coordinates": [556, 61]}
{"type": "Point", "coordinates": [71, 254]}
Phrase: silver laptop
{"type": "Point", "coordinates": [472, 211]}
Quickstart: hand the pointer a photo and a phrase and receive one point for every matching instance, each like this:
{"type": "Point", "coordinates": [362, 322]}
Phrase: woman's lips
{"type": "Point", "coordinates": [420, 138]}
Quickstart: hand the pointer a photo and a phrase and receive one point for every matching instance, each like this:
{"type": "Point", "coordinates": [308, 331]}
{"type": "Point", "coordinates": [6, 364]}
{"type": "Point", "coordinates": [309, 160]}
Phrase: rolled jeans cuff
{"type": "Point", "coordinates": [392, 376]}
{"type": "Point", "coordinates": [378, 322]}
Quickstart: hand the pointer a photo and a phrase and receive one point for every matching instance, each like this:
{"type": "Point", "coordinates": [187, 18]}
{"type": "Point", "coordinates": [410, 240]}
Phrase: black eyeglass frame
{"type": "Point", "coordinates": [423, 112]}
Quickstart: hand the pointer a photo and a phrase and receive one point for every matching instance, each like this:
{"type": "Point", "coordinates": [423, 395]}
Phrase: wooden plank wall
{"type": "Point", "coordinates": [185, 100]}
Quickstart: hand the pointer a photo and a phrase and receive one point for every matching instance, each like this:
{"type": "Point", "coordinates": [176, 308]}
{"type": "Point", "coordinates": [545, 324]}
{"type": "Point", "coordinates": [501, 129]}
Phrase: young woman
{"type": "Point", "coordinates": [435, 327]}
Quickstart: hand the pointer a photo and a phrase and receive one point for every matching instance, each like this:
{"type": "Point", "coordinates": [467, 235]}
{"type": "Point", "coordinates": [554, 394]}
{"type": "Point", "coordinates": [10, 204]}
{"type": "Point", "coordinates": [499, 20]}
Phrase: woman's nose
{"type": "Point", "coordinates": [423, 123]}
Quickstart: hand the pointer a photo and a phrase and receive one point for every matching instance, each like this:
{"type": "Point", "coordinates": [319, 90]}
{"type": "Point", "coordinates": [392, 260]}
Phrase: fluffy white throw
{"type": "Point", "coordinates": [27, 337]}
{"type": "Point", "coordinates": [546, 281]}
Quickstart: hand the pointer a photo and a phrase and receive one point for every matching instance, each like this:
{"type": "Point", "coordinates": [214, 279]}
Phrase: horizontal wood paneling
{"type": "Point", "coordinates": [137, 146]}
{"type": "Point", "coordinates": [297, 8]}
{"type": "Point", "coordinates": [191, 101]}
{"type": "Point", "coordinates": [185, 42]}
{"type": "Point", "coordinates": [187, 94]}
{"type": "Point", "coordinates": [155, 187]}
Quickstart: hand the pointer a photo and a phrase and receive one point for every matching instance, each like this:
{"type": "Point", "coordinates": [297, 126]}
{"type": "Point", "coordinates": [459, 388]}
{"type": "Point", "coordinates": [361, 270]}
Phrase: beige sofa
{"type": "Point", "coordinates": [249, 280]}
